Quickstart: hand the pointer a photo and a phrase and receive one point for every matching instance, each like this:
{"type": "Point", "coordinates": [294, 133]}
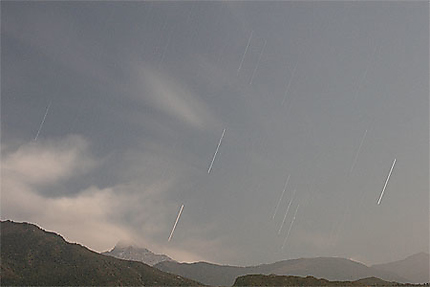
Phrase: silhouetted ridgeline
{"type": "Point", "coordinates": [330, 268]}
{"type": "Point", "coordinates": [276, 280]}
{"type": "Point", "coordinates": [32, 256]}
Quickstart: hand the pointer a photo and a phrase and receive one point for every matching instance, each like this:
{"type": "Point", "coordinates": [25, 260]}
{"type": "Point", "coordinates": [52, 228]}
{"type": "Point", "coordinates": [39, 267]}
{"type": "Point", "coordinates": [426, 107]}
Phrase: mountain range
{"type": "Point", "coordinates": [31, 256]}
{"type": "Point", "coordinates": [413, 269]}
{"type": "Point", "coordinates": [276, 280]}
{"type": "Point", "coordinates": [135, 253]}
{"type": "Point", "coordinates": [322, 267]}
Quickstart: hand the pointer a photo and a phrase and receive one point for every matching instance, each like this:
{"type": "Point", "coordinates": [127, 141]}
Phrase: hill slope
{"type": "Point", "coordinates": [130, 252]}
{"type": "Point", "coordinates": [415, 268]}
{"type": "Point", "coordinates": [321, 267]}
{"type": "Point", "coordinates": [208, 273]}
{"type": "Point", "coordinates": [32, 256]}
{"type": "Point", "coordinates": [276, 280]}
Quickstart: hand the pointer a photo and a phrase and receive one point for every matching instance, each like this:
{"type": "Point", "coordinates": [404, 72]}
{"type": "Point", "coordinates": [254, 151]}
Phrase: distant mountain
{"type": "Point", "coordinates": [334, 269]}
{"type": "Point", "coordinates": [131, 252]}
{"type": "Point", "coordinates": [33, 257]}
{"type": "Point", "coordinates": [277, 280]}
{"type": "Point", "coordinates": [415, 268]}
{"type": "Point", "coordinates": [330, 268]}
{"type": "Point", "coordinates": [208, 273]}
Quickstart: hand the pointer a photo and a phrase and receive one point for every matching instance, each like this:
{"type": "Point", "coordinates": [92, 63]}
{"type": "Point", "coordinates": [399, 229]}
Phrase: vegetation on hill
{"type": "Point", "coordinates": [276, 280]}
{"type": "Point", "coordinates": [32, 256]}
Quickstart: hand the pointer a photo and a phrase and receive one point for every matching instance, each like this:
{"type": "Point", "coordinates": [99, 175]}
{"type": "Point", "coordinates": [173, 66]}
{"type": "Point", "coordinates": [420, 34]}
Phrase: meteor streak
{"type": "Point", "coordinates": [282, 195]}
{"type": "Point", "coordinates": [43, 121]}
{"type": "Point", "coordinates": [386, 182]}
{"type": "Point", "coordinates": [288, 208]}
{"type": "Point", "coordinates": [216, 151]}
{"type": "Point", "coordinates": [291, 225]}
{"type": "Point", "coordinates": [246, 50]}
{"type": "Point", "coordinates": [357, 153]}
{"type": "Point", "coordinates": [258, 62]}
{"type": "Point", "coordinates": [176, 222]}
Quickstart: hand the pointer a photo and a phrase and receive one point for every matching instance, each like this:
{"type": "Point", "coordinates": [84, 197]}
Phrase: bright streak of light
{"type": "Point", "coordinates": [357, 153]}
{"type": "Point", "coordinates": [176, 222]}
{"type": "Point", "coordinates": [291, 226]}
{"type": "Point", "coordinates": [43, 121]}
{"type": "Point", "coordinates": [258, 62]}
{"type": "Point", "coordinates": [244, 53]}
{"type": "Point", "coordinates": [282, 195]}
{"type": "Point", "coordinates": [216, 151]}
{"type": "Point", "coordinates": [386, 182]}
{"type": "Point", "coordinates": [285, 216]}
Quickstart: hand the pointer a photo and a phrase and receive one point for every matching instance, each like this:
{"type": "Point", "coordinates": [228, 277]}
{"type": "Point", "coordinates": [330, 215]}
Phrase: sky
{"type": "Point", "coordinates": [115, 114]}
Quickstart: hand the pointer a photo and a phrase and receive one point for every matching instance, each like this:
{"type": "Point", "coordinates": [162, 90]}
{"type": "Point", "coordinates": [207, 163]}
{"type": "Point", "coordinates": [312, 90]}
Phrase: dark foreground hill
{"type": "Point", "coordinates": [275, 280]}
{"type": "Point", "coordinates": [415, 268]}
{"type": "Point", "coordinates": [32, 256]}
{"type": "Point", "coordinates": [331, 268]}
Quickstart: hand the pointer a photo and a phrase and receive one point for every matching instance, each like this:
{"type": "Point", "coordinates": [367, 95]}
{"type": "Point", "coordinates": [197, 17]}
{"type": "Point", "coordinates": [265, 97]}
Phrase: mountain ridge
{"type": "Point", "coordinates": [33, 256]}
{"type": "Point", "coordinates": [136, 253]}
{"type": "Point", "coordinates": [330, 268]}
{"type": "Point", "coordinates": [415, 268]}
{"type": "Point", "coordinates": [277, 280]}
{"type": "Point", "coordinates": [30, 254]}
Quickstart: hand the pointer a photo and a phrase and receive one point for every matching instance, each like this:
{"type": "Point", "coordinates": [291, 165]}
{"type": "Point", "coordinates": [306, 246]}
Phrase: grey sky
{"type": "Point", "coordinates": [140, 93]}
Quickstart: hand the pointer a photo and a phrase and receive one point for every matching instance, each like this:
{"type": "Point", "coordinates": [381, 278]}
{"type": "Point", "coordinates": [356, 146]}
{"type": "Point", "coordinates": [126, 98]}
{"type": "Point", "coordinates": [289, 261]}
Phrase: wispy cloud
{"type": "Point", "coordinates": [26, 172]}
{"type": "Point", "coordinates": [90, 217]}
{"type": "Point", "coordinates": [133, 209]}
{"type": "Point", "coordinates": [173, 97]}
{"type": "Point", "coordinates": [48, 162]}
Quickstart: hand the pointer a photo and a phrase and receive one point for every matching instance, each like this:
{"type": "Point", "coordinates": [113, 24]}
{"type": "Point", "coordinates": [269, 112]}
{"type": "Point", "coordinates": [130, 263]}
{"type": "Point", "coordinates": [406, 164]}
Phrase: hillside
{"type": "Point", "coordinates": [414, 268]}
{"type": "Point", "coordinates": [330, 268]}
{"type": "Point", "coordinates": [208, 273]}
{"type": "Point", "coordinates": [275, 280]}
{"type": "Point", "coordinates": [32, 256]}
{"type": "Point", "coordinates": [135, 253]}
{"type": "Point", "coordinates": [335, 269]}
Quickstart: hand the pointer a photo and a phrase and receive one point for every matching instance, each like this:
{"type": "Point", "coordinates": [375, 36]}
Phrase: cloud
{"type": "Point", "coordinates": [48, 161]}
{"type": "Point", "coordinates": [98, 218]}
{"type": "Point", "coordinates": [27, 171]}
{"type": "Point", "coordinates": [83, 219]}
{"type": "Point", "coordinates": [172, 97]}
{"type": "Point", "coordinates": [194, 250]}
